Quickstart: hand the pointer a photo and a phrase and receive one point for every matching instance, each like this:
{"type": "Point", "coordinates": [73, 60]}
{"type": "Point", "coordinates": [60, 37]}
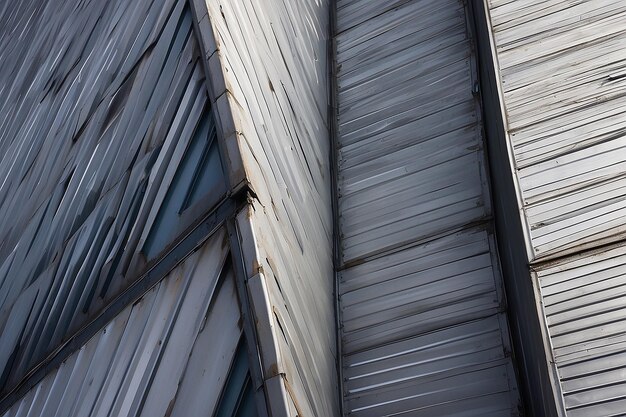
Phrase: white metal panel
{"type": "Point", "coordinates": [563, 79]}
{"type": "Point", "coordinates": [273, 57]}
{"type": "Point", "coordinates": [422, 323]}
{"type": "Point", "coordinates": [294, 318]}
{"type": "Point", "coordinates": [584, 300]}
{"type": "Point", "coordinates": [168, 352]}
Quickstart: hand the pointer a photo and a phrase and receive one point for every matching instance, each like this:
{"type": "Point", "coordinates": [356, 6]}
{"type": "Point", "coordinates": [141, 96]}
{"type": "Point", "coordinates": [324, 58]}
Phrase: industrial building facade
{"type": "Point", "coordinates": [312, 208]}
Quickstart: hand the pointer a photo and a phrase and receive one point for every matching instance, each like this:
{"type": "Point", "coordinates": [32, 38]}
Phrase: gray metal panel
{"type": "Point", "coordinates": [425, 318]}
{"type": "Point", "coordinates": [273, 57]}
{"type": "Point", "coordinates": [583, 301]}
{"type": "Point", "coordinates": [155, 356]}
{"type": "Point", "coordinates": [423, 328]}
{"type": "Point", "coordinates": [98, 104]}
{"type": "Point", "coordinates": [396, 78]}
{"type": "Point", "coordinates": [563, 83]}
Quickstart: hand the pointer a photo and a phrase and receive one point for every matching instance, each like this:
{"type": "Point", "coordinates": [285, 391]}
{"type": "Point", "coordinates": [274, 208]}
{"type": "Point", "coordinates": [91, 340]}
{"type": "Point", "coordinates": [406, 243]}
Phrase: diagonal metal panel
{"type": "Point", "coordinates": [152, 358]}
{"type": "Point", "coordinates": [583, 302]}
{"type": "Point", "coordinates": [96, 133]}
{"type": "Point", "coordinates": [560, 72]}
{"type": "Point", "coordinates": [422, 306]}
{"type": "Point", "coordinates": [273, 93]}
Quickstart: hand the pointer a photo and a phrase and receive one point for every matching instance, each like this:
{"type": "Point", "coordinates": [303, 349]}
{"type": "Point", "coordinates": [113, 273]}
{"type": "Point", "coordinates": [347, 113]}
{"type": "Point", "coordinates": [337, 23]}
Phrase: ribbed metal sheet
{"type": "Point", "coordinates": [423, 329]}
{"type": "Point", "coordinates": [167, 354]}
{"type": "Point", "coordinates": [563, 80]}
{"type": "Point", "coordinates": [410, 157]}
{"type": "Point", "coordinates": [421, 326]}
{"type": "Point", "coordinates": [273, 56]}
{"type": "Point", "coordinates": [584, 299]}
{"type": "Point", "coordinates": [98, 103]}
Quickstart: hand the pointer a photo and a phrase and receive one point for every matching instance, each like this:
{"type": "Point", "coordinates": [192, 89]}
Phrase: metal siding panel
{"type": "Point", "coordinates": [563, 85]}
{"type": "Point", "coordinates": [274, 91]}
{"type": "Point", "coordinates": [584, 310]}
{"type": "Point", "coordinates": [136, 364]}
{"type": "Point", "coordinates": [98, 104]}
{"type": "Point", "coordinates": [422, 323]}
{"type": "Point", "coordinates": [562, 80]}
{"type": "Point", "coordinates": [395, 187]}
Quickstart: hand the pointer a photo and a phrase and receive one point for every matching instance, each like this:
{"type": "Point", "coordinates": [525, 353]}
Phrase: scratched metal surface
{"type": "Point", "coordinates": [563, 79]}
{"type": "Point", "coordinates": [98, 103]}
{"type": "Point", "coordinates": [273, 56]}
{"type": "Point", "coordinates": [423, 326]}
{"type": "Point", "coordinates": [151, 359]}
{"type": "Point", "coordinates": [583, 300]}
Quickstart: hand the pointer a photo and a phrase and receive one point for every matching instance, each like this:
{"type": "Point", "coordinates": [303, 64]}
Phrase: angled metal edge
{"type": "Point", "coordinates": [217, 92]}
{"type": "Point", "coordinates": [248, 317]}
{"type": "Point", "coordinates": [237, 182]}
{"type": "Point", "coordinates": [334, 164]}
{"type": "Point", "coordinates": [482, 7]}
{"type": "Point", "coordinates": [260, 316]}
{"type": "Point", "coordinates": [519, 262]}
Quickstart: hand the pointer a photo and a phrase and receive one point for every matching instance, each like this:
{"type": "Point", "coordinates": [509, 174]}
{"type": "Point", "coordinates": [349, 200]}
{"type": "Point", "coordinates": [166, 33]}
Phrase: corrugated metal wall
{"type": "Point", "coordinates": [169, 353]}
{"type": "Point", "coordinates": [273, 57]}
{"type": "Point", "coordinates": [562, 78]}
{"type": "Point", "coordinates": [422, 306]}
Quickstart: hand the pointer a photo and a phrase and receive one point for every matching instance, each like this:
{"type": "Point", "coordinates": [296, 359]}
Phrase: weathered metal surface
{"type": "Point", "coordinates": [422, 308]}
{"type": "Point", "coordinates": [559, 69]}
{"type": "Point", "coordinates": [583, 301]}
{"type": "Point", "coordinates": [155, 355]}
{"type": "Point", "coordinates": [273, 90]}
{"type": "Point", "coordinates": [106, 159]}
{"type": "Point", "coordinates": [562, 77]}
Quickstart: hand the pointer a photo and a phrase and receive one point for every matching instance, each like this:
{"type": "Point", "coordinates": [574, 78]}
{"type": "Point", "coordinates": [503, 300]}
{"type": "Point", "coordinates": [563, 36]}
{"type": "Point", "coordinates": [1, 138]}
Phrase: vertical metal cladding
{"type": "Point", "coordinates": [169, 353]}
{"type": "Point", "coordinates": [422, 306]}
{"type": "Point", "coordinates": [104, 119]}
{"type": "Point", "coordinates": [562, 79]}
{"type": "Point", "coordinates": [272, 84]}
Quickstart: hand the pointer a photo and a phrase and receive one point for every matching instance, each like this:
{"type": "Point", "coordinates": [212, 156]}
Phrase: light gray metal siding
{"type": "Point", "coordinates": [273, 60]}
{"type": "Point", "coordinates": [584, 299]}
{"type": "Point", "coordinates": [167, 354]}
{"type": "Point", "coordinates": [563, 79]}
{"type": "Point", "coordinates": [423, 329]}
